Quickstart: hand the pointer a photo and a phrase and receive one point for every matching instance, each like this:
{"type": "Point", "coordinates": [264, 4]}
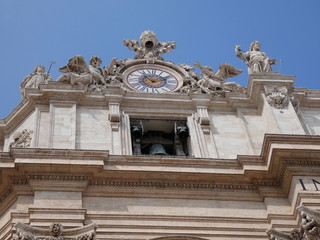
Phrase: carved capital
{"type": "Point", "coordinates": [277, 96]}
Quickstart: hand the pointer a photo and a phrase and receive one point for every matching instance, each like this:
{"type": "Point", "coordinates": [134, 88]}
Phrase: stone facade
{"type": "Point", "coordinates": [235, 161]}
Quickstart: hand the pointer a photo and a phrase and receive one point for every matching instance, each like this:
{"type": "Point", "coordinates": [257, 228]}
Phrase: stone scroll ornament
{"type": "Point", "coordinates": [149, 48]}
{"type": "Point", "coordinates": [55, 232]}
{"type": "Point", "coordinates": [277, 96]}
{"type": "Point", "coordinates": [22, 139]}
{"type": "Point", "coordinates": [256, 60]}
{"type": "Point", "coordinates": [309, 227]}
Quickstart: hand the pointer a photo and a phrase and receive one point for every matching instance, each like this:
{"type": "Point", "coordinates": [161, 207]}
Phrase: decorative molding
{"type": "Point", "coordinates": [270, 184]}
{"type": "Point", "coordinates": [309, 227]}
{"type": "Point", "coordinates": [19, 181]}
{"type": "Point", "coordinates": [173, 185]}
{"type": "Point", "coordinates": [301, 163]}
{"type": "Point", "coordinates": [59, 178]}
{"type": "Point", "coordinates": [55, 232]}
{"type": "Point", "coordinates": [6, 194]}
{"type": "Point", "coordinates": [277, 96]}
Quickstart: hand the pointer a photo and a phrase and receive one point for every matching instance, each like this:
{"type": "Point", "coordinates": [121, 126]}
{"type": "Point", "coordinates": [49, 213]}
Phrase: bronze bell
{"type": "Point", "coordinates": [157, 149]}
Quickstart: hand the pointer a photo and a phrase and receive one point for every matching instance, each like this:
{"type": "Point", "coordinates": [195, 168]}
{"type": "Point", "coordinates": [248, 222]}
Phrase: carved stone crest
{"type": "Point", "coordinates": [149, 47]}
{"type": "Point", "coordinates": [22, 139]}
{"type": "Point", "coordinates": [277, 96]}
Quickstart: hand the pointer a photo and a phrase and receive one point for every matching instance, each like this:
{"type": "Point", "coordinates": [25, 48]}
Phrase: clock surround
{"type": "Point", "coordinates": [158, 77]}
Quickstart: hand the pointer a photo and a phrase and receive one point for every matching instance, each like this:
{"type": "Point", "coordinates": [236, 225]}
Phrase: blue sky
{"type": "Point", "coordinates": [37, 32]}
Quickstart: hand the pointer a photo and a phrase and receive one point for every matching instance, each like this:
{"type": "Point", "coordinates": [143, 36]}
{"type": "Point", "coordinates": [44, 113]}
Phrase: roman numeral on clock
{"type": "Point", "coordinates": [170, 86]}
{"type": "Point", "coordinates": [135, 84]}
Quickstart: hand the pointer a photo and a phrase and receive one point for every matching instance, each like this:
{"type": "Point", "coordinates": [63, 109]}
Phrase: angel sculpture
{"type": "Point", "coordinates": [78, 73]}
{"type": "Point", "coordinates": [214, 82]}
{"type": "Point", "coordinates": [110, 71]}
{"type": "Point", "coordinates": [190, 83]}
{"type": "Point", "coordinates": [149, 48]}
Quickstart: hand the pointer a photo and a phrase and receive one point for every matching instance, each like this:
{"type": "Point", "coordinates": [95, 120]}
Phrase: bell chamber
{"type": "Point", "coordinates": [159, 137]}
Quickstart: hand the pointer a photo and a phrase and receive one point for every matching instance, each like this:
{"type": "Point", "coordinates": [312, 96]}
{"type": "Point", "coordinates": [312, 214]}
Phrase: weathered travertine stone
{"type": "Point", "coordinates": [256, 61]}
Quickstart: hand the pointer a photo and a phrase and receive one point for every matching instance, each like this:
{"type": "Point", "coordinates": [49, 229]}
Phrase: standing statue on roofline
{"type": "Point", "coordinates": [256, 61]}
{"type": "Point", "coordinates": [33, 80]}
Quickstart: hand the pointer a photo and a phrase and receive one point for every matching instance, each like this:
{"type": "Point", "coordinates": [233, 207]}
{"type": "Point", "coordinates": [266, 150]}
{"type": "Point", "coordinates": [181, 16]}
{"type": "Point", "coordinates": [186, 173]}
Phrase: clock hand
{"type": "Point", "coordinates": [165, 78]}
{"type": "Point", "coordinates": [150, 78]}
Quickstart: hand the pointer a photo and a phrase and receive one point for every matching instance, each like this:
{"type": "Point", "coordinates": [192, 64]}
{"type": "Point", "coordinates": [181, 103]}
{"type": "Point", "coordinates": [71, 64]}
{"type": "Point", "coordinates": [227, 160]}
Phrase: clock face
{"type": "Point", "coordinates": [152, 80]}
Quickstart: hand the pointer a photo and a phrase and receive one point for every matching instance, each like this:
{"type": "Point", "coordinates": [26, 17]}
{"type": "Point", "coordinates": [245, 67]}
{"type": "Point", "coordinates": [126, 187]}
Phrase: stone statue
{"type": "Point", "coordinates": [214, 82]}
{"type": "Point", "coordinates": [78, 73]}
{"type": "Point", "coordinates": [256, 61]}
{"type": "Point", "coordinates": [39, 76]}
{"type": "Point", "coordinates": [110, 71]}
{"type": "Point", "coordinates": [149, 47]}
{"type": "Point", "coordinates": [95, 71]}
{"type": "Point", "coordinates": [190, 83]}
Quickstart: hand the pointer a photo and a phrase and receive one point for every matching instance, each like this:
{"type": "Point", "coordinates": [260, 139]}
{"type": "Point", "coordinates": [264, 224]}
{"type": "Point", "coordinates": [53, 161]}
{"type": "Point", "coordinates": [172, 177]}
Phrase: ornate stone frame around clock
{"type": "Point", "coordinates": [179, 73]}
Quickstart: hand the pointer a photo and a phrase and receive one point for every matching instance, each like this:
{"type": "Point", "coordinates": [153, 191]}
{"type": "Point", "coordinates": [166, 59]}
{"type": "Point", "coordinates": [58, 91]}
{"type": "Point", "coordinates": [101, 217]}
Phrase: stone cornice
{"type": "Point", "coordinates": [270, 174]}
